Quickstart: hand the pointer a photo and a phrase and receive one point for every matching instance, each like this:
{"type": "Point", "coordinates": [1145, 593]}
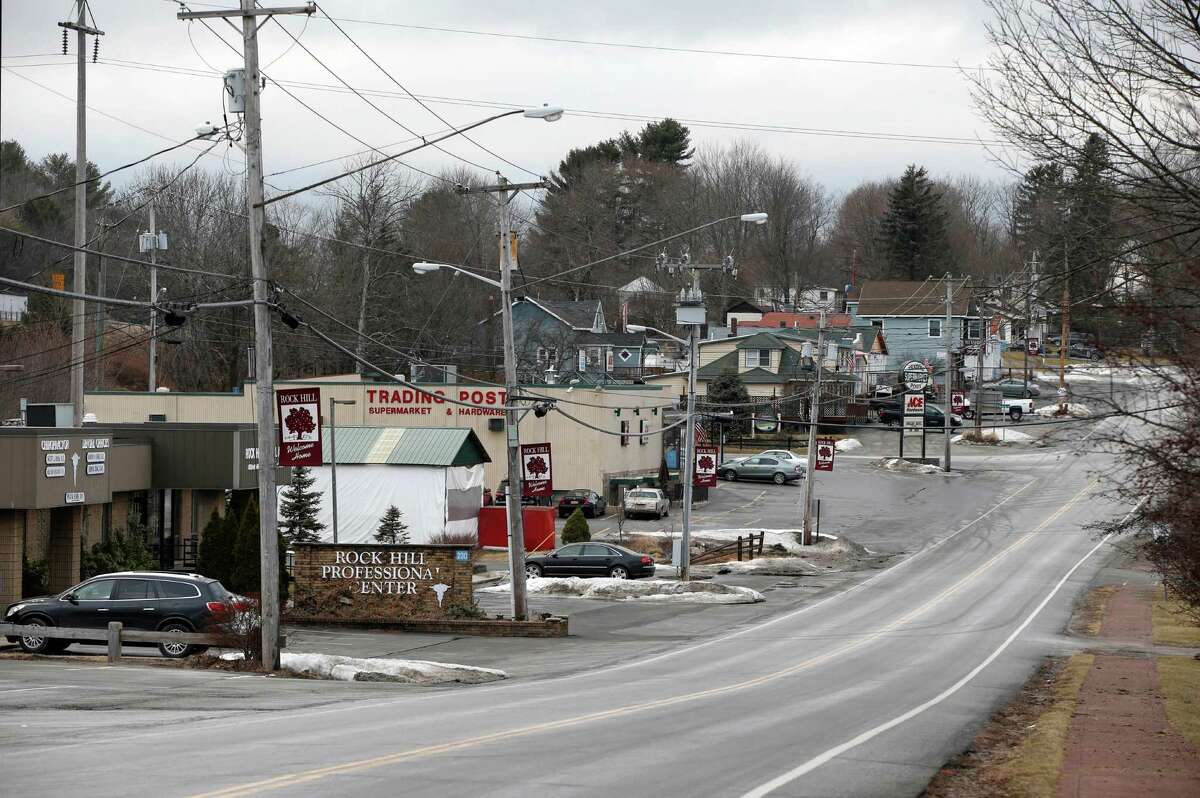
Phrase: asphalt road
{"type": "Point", "coordinates": [862, 692]}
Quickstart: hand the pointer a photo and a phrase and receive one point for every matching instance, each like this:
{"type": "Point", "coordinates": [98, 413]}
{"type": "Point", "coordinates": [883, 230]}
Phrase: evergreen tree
{"type": "Point", "coordinates": [247, 570]}
{"type": "Point", "coordinates": [576, 529]}
{"type": "Point", "coordinates": [913, 234]}
{"type": "Point", "coordinates": [666, 141]}
{"type": "Point", "coordinates": [298, 510]}
{"type": "Point", "coordinates": [1037, 222]}
{"type": "Point", "coordinates": [729, 389]}
{"type": "Point", "coordinates": [1093, 236]}
{"type": "Point", "coordinates": [392, 528]}
{"type": "Point", "coordinates": [215, 557]}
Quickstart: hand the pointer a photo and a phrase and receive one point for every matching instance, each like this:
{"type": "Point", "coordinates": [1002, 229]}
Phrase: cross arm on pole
{"type": "Point", "coordinates": [81, 28]}
{"type": "Point", "coordinates": [514, 187]}
{"type": "Point", "coordinates": [310, 8]}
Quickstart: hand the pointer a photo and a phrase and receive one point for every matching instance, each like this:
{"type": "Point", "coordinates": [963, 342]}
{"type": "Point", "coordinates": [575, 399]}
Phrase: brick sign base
{"type": "Point", "coordinates": [362, 582]}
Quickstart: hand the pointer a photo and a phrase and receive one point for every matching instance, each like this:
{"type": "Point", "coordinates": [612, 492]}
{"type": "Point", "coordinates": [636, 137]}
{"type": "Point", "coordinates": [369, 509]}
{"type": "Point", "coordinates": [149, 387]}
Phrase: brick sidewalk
{"type": "Point", "coordinates": [1120, 742]}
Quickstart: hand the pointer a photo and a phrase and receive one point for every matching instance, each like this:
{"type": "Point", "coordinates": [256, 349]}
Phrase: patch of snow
{"type": "Point", "coordinates": [636, 589]}
{"type": "Point", "coordinates": [1004, 436]}
{"type": "Point", "coordinates": [848, 445]}
{"type": "Point", "coordinates": [779, 566]}
{"type": "Point", "coordinates": [1074, 409]}
{"type": "Point", "coordinates": [352, 669]}
{"type": "Point", "coordinates": [896, 465]}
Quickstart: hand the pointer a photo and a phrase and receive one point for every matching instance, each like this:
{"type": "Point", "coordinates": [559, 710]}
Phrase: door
{"type": "Point", "coordinates": [92, 607]}
{"type": "Point", "coordinates": [135, 604]}
{"type": "Point", "coordinates": [566, 561]}
{"type": "Point", "coordinates": [766, 467]}
{"type": "Point", "coordinates": [596, 560]}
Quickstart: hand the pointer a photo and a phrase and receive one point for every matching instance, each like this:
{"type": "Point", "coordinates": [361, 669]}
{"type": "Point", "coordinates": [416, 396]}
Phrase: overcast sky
{"type": "Point", "coordinates": [612, 80]}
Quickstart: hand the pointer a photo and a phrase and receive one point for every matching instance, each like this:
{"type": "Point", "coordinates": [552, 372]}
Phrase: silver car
{"type": "Point", "coordinates": [761, 466]}
{"type": "Point", "coordinates": [646, 501]}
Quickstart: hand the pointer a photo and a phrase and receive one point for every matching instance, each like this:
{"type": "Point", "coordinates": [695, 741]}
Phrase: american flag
{"type": "Point", "coordinates": [701, 437]}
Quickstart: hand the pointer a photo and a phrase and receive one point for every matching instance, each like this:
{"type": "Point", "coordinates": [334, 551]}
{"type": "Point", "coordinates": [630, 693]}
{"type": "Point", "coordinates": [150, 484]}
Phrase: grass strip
{"type": "Point", "coordinates": [1172, 626]}
{"type": "Point", "coordinates": [1179, 679]}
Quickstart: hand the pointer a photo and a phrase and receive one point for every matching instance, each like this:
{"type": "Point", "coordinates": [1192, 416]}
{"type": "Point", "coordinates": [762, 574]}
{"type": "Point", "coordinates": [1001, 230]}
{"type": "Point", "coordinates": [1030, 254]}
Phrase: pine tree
{"type": "Point", "coordinates": [298, 510]}
{"type": "Point", "coordinates": [576, 529]}
{"type": "Point", "coordinates": [665, 141]}
{"type": "Point", "coordinates": [392, 528]}
{"type": "Point", "coordinates": [728, 389]}
{"type": "Point", "coordinates": [215, 557]}
{"type": "Point", "coordinates": [913, 234]}
{"type": "Point", "coordinates": [1093, 237]}
{"type": "Point", "coordinates": [247, 569]}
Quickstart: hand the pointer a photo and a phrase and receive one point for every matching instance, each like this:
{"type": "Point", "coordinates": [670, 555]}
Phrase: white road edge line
{"type": "Point", "coordinates": [870, 734]}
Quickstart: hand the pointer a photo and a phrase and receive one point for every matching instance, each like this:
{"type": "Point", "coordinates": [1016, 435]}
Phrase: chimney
{"type": "Point", "coordinates": [733, 326]}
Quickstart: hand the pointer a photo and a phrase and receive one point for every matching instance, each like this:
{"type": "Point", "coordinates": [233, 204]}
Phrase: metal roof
{"type": "Point", "coordinates": [424, 446]}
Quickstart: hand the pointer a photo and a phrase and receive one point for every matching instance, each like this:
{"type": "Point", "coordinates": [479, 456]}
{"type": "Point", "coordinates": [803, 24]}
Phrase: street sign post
{"type": "Point", "coordinates": [537, 478]}
{"type": "Point", "coordinates": [914, 419]}
{"type": "Point", "coordinates": [299, 437]}
{"type": "Point", "coordinates": [825, 453]}
{"type": "Point", "coordinates": [706, 467]}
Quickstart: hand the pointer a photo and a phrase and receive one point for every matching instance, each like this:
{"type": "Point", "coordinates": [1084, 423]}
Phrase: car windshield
{"type": "Point", "coordinates": [575, 494]}
{"type": "Point", "coordinates": [642, 494]}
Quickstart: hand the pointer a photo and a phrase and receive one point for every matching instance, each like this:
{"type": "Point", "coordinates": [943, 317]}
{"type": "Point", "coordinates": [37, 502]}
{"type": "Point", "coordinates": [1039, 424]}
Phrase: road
{"type": "Point", "coordinates": [864, 692]}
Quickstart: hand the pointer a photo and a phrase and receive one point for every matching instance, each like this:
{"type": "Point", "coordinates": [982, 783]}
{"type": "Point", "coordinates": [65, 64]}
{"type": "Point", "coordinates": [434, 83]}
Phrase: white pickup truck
{"type": "Point", "coordinates": [995, 404]}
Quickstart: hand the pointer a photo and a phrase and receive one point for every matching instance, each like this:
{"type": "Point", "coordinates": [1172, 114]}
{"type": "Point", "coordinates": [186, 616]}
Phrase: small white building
{"type": "Point", "coordinates": [433, 474]}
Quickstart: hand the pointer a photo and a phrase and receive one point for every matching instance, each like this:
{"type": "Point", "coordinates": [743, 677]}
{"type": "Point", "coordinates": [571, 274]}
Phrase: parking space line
{"type": "Point", "coordinates": [28, 689]}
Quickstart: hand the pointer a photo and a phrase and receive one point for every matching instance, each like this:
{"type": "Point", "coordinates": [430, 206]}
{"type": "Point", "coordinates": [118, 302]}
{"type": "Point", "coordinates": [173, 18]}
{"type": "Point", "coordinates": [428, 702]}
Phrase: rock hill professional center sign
{"type": "Point", "coordinates": [363, 582]}
{"type": "Point", "coordinates": [299, 426]}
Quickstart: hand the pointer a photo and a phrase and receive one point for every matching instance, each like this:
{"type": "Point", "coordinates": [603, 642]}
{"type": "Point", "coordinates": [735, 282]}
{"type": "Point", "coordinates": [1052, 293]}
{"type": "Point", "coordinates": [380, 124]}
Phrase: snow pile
{"type": "Point", "coordinates": [899, 466]}
{"type": "Point", "coordinates": [785, 538]}
{"type": "Point", "coordinates": [1004, 436]}
{"type": "Point", "coordinates": [630, 589]}
{"type": "Point", "coordinates": [353, 669]}
{"type": "Point", "coordinates": [1074, 409]}
{"type": "Point", "coordinates": [848, 445]}
{"type": "Point", "coordinates": [826, 555]}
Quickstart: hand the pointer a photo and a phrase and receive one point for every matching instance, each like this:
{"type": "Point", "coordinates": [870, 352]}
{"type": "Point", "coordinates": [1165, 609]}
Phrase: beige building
{"type": "Point", "coordinates": [582, 457]}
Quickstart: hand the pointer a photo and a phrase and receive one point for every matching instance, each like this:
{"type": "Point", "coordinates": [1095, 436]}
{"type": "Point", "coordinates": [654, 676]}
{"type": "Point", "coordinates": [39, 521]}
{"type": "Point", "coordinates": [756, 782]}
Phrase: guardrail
{"type": "Point", "coordinates": [114, 635]}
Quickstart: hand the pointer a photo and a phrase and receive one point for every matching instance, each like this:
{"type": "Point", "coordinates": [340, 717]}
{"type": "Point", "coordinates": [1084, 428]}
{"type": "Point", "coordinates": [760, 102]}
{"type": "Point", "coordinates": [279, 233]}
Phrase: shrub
{"type": "Point", "coordinates": [117, 553]}
{"type": "Point", "coordinates": [392, 528]}
{"type": "Point", "coordinates": [455, 539]}
{"type": "Point", "coordinates": [215, 557]}
{"type": "Point", "coordinates": [576, 529]}
{"type": "Point", "coordinates": [35, 576]}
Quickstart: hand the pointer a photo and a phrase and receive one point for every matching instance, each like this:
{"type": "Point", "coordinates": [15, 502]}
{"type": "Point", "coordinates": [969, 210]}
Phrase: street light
{"type": "Point", "coordinates": [333, 403]}
{"type": "Point", "coordinates": [550, 113]}
{"type": "Point", "coordinates": [422, 267]}
{"type": "Point", "coordinates": [756, 218]}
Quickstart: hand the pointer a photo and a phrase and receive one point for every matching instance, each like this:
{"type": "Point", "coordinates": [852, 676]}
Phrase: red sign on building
{"type": "Point", "coordinates": [299, 427]}
{"type": "Point", "coordinates": [706, 467]}
{"type": "Point", "coordinates": [536, 476]}
{"type": "Point", "coordinates": [825, 452]}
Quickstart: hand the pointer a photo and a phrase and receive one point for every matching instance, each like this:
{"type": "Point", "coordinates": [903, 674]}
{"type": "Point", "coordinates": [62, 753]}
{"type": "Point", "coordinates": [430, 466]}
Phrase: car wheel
{"type": "Point", "coordinates": [968, 414]}
{"type": "Point", "coordinates": [175, 649]}
{"type": "Point", "coordinates": [729, 476]}
{"type": "Point", "coordinates": [779, 478]}
{"type": "Point", "coordinates": [533, 571]}
{"type": "Point", "coordinates": [657, 516]}
{"type": "Point", "coordinates": [33, 643]}
{"type": "Point", "coordinates": [618, 572]}
{"type": "Point", "coordinates": [1015, 414]}
{"type": "Point", "coordinates": [666, 511]}
{"type": "Point", "coordinates": [1029, 394]}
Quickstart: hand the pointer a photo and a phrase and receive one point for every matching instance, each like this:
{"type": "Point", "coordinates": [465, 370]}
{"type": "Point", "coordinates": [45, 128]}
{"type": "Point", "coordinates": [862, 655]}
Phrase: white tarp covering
{"type": "Point", "coordinates": [423, 493]}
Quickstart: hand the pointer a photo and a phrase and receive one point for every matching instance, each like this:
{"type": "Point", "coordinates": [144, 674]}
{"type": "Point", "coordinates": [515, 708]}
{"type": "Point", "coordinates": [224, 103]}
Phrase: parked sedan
{"type": "Point", "coordinates": [893, 414]}
{"type": "Point", "coordinates": [591, 502]}
{"type": "Point", "coordinates": [760, 466]}
{"type": "Point", "coordinates": [647, 501]}
{"type": "Point", "coordinates": [147, 600]}
{"type": "Point", "coordinates": [1014, 387]}
{"type": "Point", "coordinates": [591, 559]}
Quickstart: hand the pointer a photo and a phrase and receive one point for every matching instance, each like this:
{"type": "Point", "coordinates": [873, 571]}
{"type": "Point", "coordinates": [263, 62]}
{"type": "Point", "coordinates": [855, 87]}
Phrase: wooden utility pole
{"type": "Point", "coordinates": [947, 428]}
{"type": "Point", "coordinates": [814, 416]}
{"type": "Point", "coordinates": [78, 308]}
{"type": "Point", "coordinates": [505, 193]}
{"type": "Point", "coordinates": [1030, 277]}
{"type": "Point", "coordinates": [263, 367]}
{"type": "Point", "coordinates": [1065, 343]}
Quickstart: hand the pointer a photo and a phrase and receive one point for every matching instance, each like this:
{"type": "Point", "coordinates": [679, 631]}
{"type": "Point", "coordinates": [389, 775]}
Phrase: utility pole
{"type": "Point", "coordinates": [151, 243]}
{"type": "Point", "coordinates": [333, 403]}
{"type": "Point", "coordinates": [1033, 264]}
{"type": "Point", "coordinates": [78, 308]}
{"type": "Point", "coordinates": [505, 193]}
{"type": "Point", "coordinates": [263, 368]}
{"type": "Point", "coordinates": [946, 426]}
{"type": "Point", "coordinates": [361, 346]}
{"type": "Point", "coordinates": [814, 416]}
{"type": "Point", "coordinates": [101, 318]}
{"type": "Point", "coordinates": [1065, 343]}
{"type": "Point", "coordinates": [688, 472]}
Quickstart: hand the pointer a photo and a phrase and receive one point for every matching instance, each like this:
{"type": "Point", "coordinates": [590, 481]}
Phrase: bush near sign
{"type": "Point", "coordinates": [365, 582]}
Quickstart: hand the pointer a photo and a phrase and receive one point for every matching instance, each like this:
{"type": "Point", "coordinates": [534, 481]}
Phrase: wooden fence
{"type": "Point", "coordinates": [114, 635]}
{"type": "Point", "coordinates": [747, 546]}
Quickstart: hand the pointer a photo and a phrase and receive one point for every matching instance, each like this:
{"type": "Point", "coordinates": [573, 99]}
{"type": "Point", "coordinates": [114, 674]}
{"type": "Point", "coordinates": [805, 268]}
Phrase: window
{"type": "Point", "coordinates": [824, 296]}
{"type": "Point", "coordinates": [133, 589]}
{"type": "Point", "coordinates": [935, 328]}
{"type": "Point", "coordinates": [552, 354]}
{"type": "Point", "coordinates": [758, 358]}
{"type": "Point", "coordinates": [767, 461]}
{"type": "Point", "coordinates": [570, 551]}
{"type": "Point", "coordinates": [972, 329]}
{"type": "Point", "coordinates": [541, 355]}
{"type": "Point", "coordinates": [596, 550]}
{"type": "Point", "coordinates": [172, 590]}
{"type": "Point", "coordinates": [99, 590]}
{"type": "Point", "coordinates": [624, 433]}
{"type": "Point", "coordinates": [877, 323]}
{"type": "Point", "coordinates": [643, 439]}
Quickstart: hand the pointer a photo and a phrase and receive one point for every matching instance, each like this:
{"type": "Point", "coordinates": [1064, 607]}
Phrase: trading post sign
{"type": "Point", "coordinates": [299, 426]}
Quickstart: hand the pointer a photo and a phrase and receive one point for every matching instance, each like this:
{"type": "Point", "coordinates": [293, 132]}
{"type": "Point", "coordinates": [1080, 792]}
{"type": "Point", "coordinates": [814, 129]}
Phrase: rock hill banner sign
{"type": "Point", "coordinates": [826, 448]}
{"type": "Point", "coordinates": [537, 478]}
{"type": "Point", "coordinates": [299, 426]}
{"type": "Point", "coordinates": [364, 582]}
{"type": "Point", "coordinates": [706, 467]}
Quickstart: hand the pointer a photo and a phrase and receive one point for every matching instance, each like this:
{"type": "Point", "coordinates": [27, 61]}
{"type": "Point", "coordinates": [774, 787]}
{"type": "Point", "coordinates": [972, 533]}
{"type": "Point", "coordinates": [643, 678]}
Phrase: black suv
{"type": "Point", "coordinates": [149, 600]}
{"type": "Point", "coordinates": [892, 413]}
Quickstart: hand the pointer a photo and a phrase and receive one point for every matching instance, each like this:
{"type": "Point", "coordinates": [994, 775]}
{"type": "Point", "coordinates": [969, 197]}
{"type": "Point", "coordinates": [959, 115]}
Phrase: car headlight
{"type": "Point", "coordinates": [14, 609]}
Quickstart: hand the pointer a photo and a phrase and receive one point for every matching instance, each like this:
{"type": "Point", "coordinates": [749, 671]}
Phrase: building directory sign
{"type": "Point", "coordinates": [299, 426]}
{"type": "Point", "coordinates": [537, 478]}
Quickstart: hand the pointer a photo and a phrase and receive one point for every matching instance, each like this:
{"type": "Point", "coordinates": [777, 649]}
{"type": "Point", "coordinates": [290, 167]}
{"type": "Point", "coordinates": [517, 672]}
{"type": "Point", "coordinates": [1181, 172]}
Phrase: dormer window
{"type": "Point", "coordinates": [758, 358]}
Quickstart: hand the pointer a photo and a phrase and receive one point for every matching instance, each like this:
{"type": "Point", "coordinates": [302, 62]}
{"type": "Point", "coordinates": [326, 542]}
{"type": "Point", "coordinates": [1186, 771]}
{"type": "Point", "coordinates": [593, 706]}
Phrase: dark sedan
{"type": "Point", "coordinates": [591, 502]}
{"type": "Point", "coordinates": [893, 414]}
{"type": "Point", "coordinates": [148, 600]}
{"type": "Point", "coordinates": [591, 559]}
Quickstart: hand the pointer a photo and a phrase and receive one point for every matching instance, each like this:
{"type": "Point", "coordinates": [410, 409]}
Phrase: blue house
{"type": "Point", "coordinates": [912, 318]}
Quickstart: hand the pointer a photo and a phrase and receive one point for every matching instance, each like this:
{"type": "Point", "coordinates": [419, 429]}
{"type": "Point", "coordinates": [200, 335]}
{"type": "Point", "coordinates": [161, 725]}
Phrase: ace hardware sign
{"type": "Point", "coordinates": [299, 426]}
{"type": "Point", "coordinates": [536, 476]}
